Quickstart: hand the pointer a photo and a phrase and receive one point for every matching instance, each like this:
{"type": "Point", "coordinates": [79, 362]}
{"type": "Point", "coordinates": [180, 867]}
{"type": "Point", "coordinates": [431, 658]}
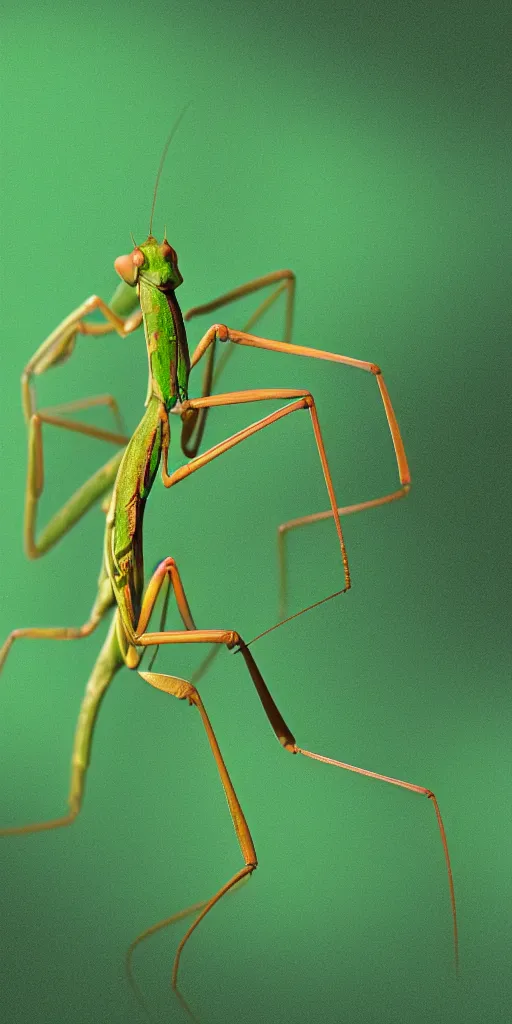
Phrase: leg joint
{"type": "Point", "coordinates": [168, 563]}
{"type": "Point", "coordinates": [221, 331]}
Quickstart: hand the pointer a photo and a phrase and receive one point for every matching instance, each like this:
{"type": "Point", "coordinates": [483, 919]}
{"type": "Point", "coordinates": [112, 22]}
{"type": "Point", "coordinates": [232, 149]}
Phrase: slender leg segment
{"type": "Point", "coordinates": [285, 279]}
{"type": "Point", "coordinates": [317, 517]}
{"type": "Point", "coordinates": [109, 662]}
{"type": "Point", "coordinates": [251, 340]}
{"type": "Point", "coordinates": [287, 740]}
{"type": "Point", "coordinates": [306, 400]}
{"type": "Point", "coordinates": [104, 601]}
{"type": "Point", "coordinates": [361, 506]}
{"type": "Point", "coordinates": [185, 691]}
{"type": "Point", "coordinates": [194, 424]}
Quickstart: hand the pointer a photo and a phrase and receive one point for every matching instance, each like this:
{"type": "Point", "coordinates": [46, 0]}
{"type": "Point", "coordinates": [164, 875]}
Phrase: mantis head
{"type": "Point", "coordinates": [154, 262]}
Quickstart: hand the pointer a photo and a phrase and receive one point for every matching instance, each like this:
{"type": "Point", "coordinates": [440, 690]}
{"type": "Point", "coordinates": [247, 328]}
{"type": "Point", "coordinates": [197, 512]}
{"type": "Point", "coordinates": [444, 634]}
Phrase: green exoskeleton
{"type": "Point", "coordinates": [150, 274]}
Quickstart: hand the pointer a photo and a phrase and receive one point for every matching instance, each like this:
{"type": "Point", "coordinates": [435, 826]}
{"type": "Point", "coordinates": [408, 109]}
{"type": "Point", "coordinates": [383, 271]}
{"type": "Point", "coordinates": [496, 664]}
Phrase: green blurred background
{"type": "Point", "coordinates": [367, 146]}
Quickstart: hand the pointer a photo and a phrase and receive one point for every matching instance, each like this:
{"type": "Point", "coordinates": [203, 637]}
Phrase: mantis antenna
{"type": "Point", "coordinates": [162, 161]}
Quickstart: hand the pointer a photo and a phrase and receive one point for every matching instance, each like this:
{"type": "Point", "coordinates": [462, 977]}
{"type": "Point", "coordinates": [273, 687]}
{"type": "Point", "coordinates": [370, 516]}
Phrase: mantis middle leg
{"type": "Point", "coordinates": [220, 331]}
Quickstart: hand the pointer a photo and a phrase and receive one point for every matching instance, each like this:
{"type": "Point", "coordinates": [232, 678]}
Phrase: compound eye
{"type": "Point", "coordinates": [127, 268]}
{"type": "Point", "coordinates": [138, 258]}
{"type": "Point", "coordinates": [168, 252]}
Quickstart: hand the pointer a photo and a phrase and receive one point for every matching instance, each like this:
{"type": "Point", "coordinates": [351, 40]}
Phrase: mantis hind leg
{"type": "Point", "coordinates": [166, 922]}
{"type": "Point", "coordinates": [183, 690]}
{"type": "Point", "coordinates": [109, 662]}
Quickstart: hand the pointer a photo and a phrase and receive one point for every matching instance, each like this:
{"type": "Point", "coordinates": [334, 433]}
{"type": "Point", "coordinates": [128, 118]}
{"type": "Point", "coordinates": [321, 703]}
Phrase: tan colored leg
{"type": "Point", "coordinates": [250, 396]}
{"type": "Point", "coordinates": [166, 570]}
{"type": "Point", "coordinates": [87, 403]}
{"type": "Point", "coordinates": [195, 422]}
{"type": "Point", "coordinates": [59, 345]}
{"type": "Point", "coordinates": [185, 691]}
{"type": "Point", "coordinates": [413, 789]}
{"type": "Point", "coordinates": [75, 426]}
{"type": "Point", "coordinates": [233, 639]}
{"type": "Point", "coordinates": [223, 333]}
{"type": "Point", "coordinates": [317, 517]}
{"type": "Point", "coordinates": [242, 397]}
{"type": "Point", "coordinates": [48, 633]}
{"type": "Point", "coordinates": [361, 506]}
{"type": "Point", "coordinates": [287, 740]}
{"type": "Point", "coordinates": [166, 922]}
{"type": "Point", "coordinates": [286, 281]}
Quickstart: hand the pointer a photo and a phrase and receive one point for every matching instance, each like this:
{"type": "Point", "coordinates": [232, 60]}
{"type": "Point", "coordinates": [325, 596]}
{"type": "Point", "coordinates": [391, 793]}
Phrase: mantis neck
{"type": "Point", "coordinates": [166, 341]}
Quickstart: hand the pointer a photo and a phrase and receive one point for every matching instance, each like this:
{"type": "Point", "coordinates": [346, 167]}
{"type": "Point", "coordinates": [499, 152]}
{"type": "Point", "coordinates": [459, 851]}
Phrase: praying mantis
{"type": "Point", "coordinates": [147, 295]}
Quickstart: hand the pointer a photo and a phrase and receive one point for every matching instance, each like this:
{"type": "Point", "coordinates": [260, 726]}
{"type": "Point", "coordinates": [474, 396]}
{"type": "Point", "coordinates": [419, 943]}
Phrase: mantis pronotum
{"type": "Point", "coordinates": [150, 273]}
